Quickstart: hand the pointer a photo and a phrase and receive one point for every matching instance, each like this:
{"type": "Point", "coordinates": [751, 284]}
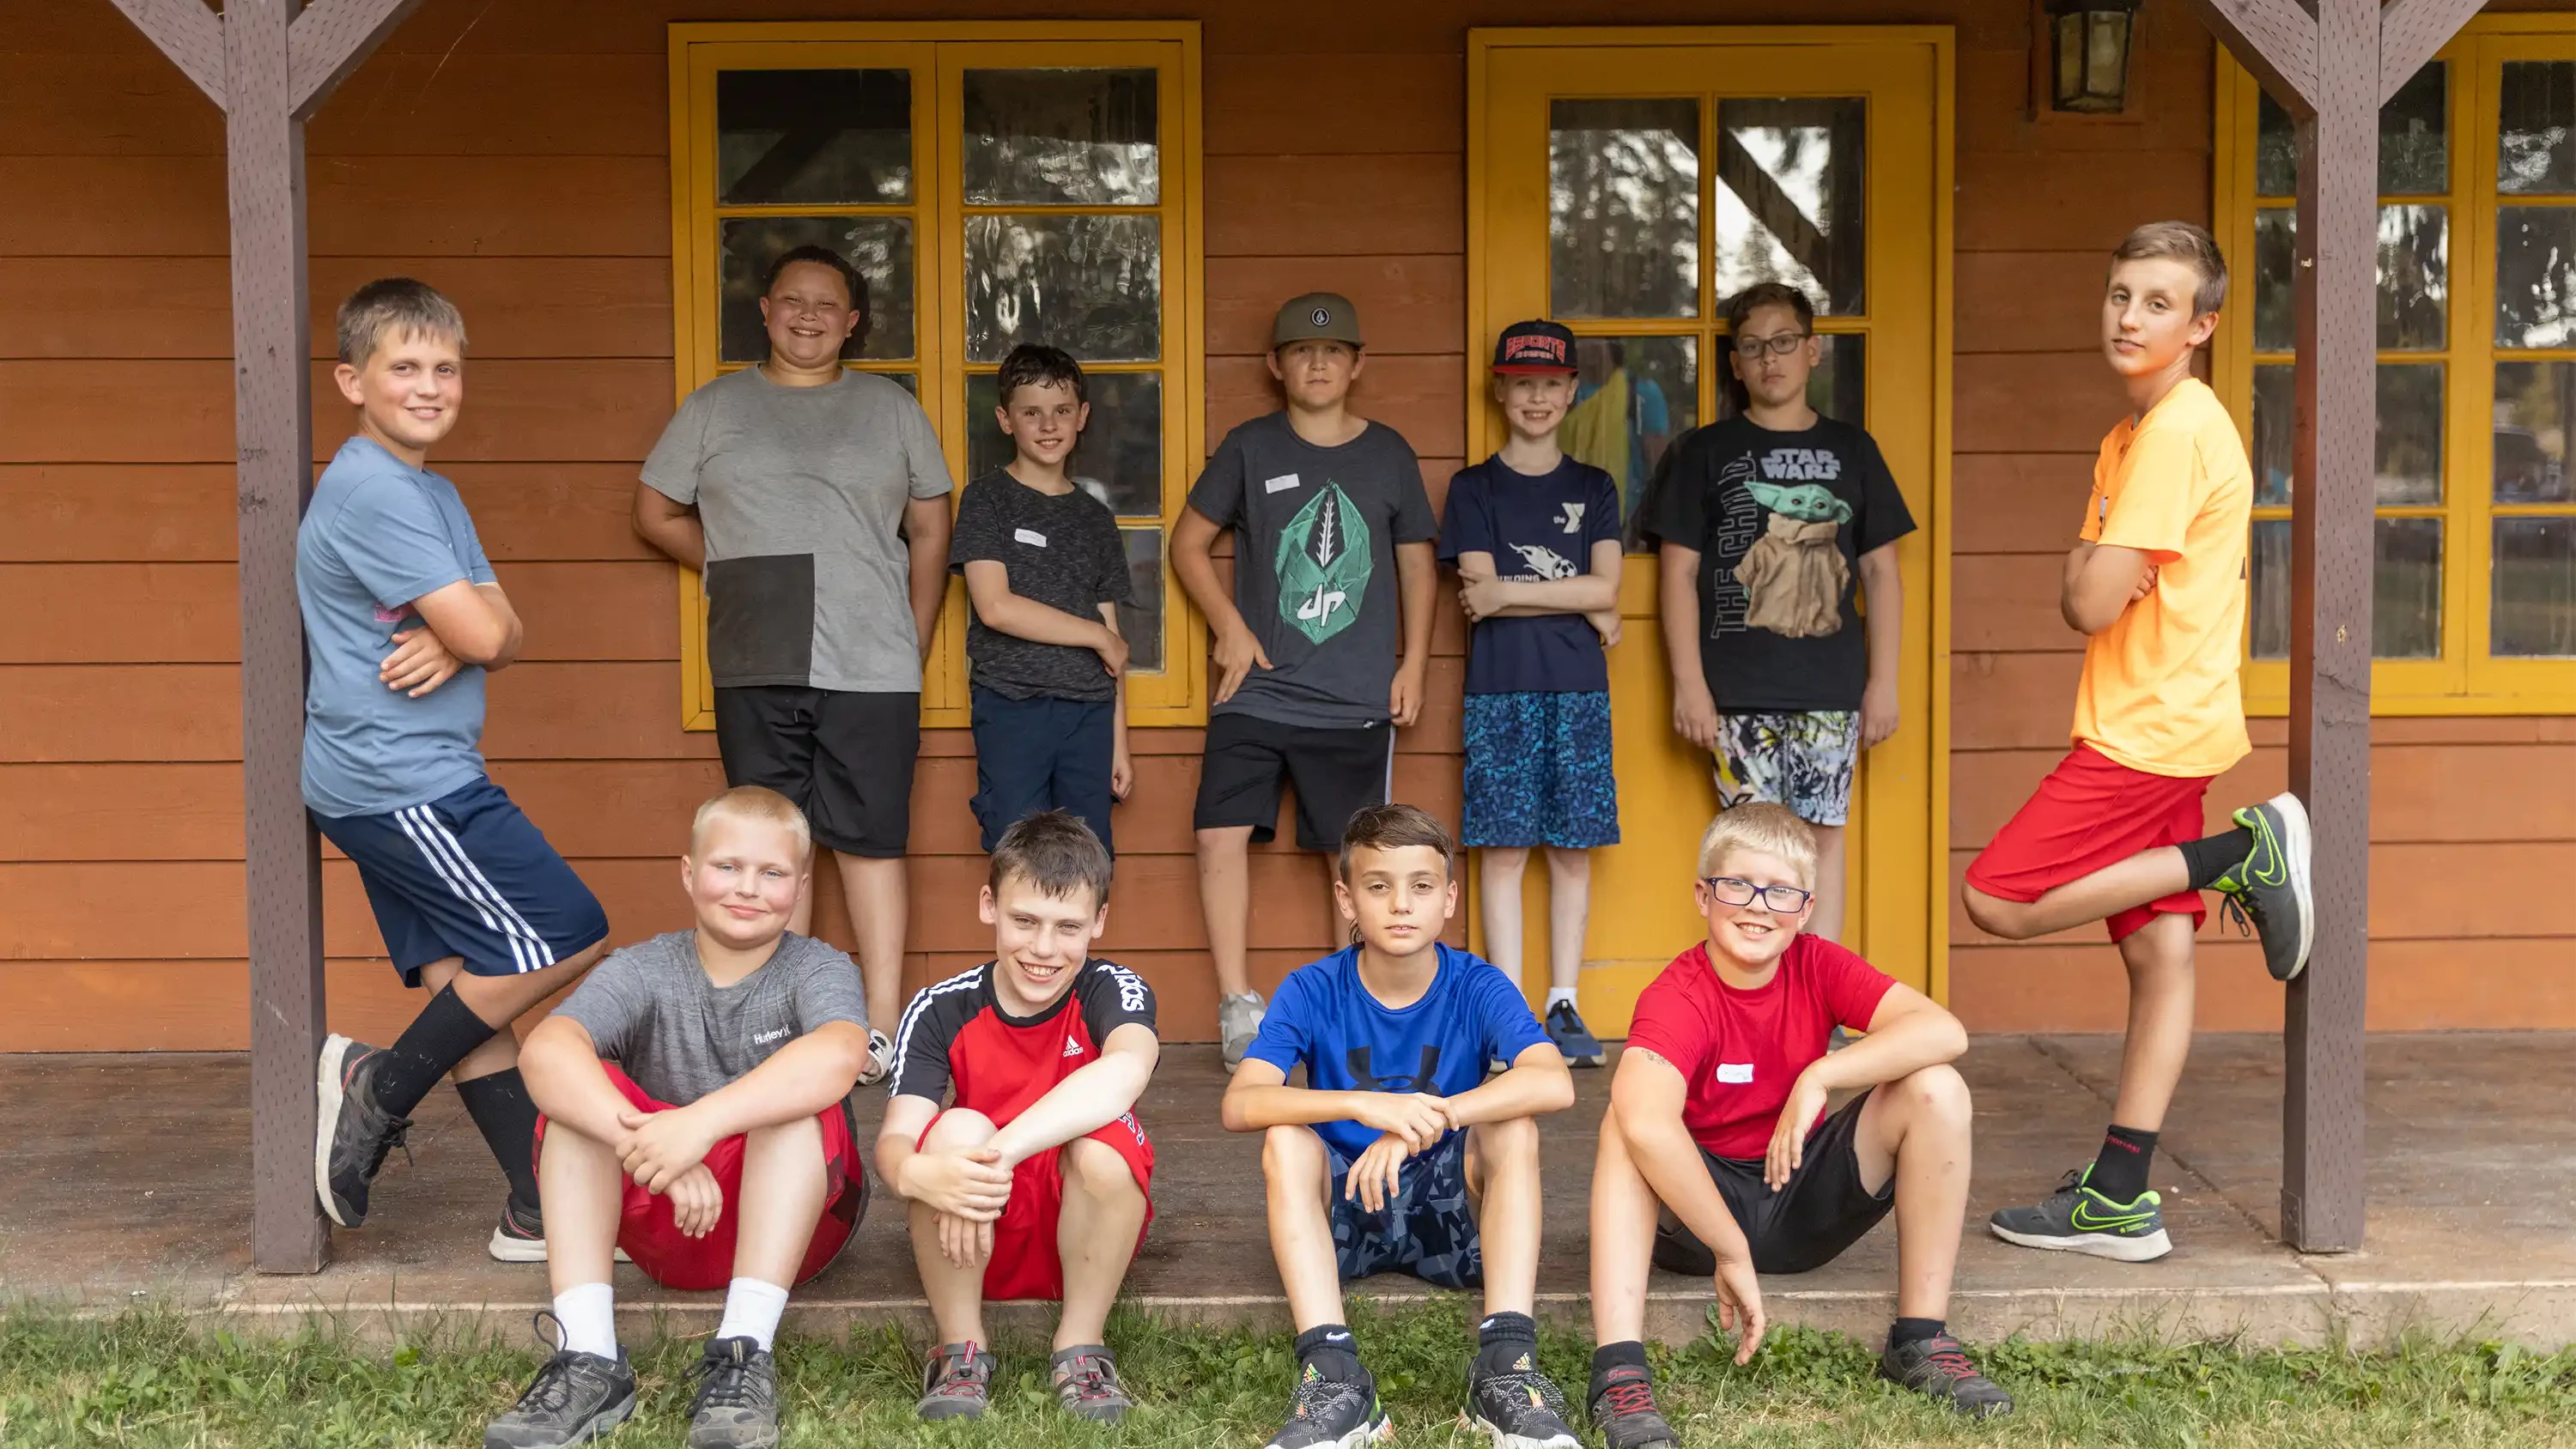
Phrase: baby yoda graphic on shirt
{"type": "Point", "coordinates": [1323, 563]}
{"type": "Point", "coordinates": [1792, 576]}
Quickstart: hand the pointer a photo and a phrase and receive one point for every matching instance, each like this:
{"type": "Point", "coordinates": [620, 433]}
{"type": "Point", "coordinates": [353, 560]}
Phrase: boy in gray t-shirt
{"type": "Point", "coordinates": [1323, 642]}
{"type": "Point", "coordinates": [814, 502]}
{"type": "Point", "coordinates": [695, 1092]}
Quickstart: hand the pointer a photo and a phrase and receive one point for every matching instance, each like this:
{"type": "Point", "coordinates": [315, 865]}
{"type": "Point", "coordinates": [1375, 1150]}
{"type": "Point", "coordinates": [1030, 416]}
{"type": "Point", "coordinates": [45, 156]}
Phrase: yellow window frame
{"type": "Point", "coordinates": [2465, 679]}
{"type": "Point", "coordinates": [938, 56]}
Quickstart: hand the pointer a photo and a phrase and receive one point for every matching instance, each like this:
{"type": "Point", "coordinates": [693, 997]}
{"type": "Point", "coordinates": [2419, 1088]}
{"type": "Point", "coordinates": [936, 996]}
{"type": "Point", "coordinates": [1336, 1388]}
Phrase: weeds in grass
{"type": "Point", "coordinates": [153, 1377]}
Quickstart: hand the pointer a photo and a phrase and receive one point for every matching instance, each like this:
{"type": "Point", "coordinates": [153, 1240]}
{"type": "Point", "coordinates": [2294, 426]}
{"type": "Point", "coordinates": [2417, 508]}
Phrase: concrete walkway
{"type": "Point", "coordinates": [129, 1182]}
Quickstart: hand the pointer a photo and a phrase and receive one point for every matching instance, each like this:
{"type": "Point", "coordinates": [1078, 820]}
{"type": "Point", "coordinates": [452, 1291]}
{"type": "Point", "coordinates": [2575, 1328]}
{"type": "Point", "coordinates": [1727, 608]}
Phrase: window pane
{"type": "Point", "coordinates": [813, 137]}
{"type": "Point", "coordinates": [2535, 402]}
{"type": "Point", "coordinates": [1142, 621]}
{"type": "Point", "coordinates": [1092, 285]}
{"type": "Point", "coordinates": [1838, 388]}
{"type": "Point", "coordinates": [2535, 110]}
{"type": "Point", "coordinates": [1787, 205]}
{"type": "Point", "coordinates": [2408, 458]}
{"type": "Point", "coordinates": [2534, 599]}
{"type": "Point", "coordinates": [1120, 458]}
{"type": "Point", "coordinates": [2276, 255]}
{"type": "Point", "coordinates": [1623, 208]}
{"type": "Point", "coordinates": [1633, 395]}
{"type": "Point", "coordinates": [1045, 137]}
{"type": "Point", "coordinates": [2414, 276]}
{"type": "Point", "coordinates": [879, 246]}
{"type": "Point", "coordinates": [2276, 149]}
{"type": "Point", "coordinates": [2275, 399]}
{"type": "Point", "coordinates": [2406, 589]}
{"type": "Point", "coordinates": [2269, 563]}
{"type": "Point", "coordinates": [2414, 136]}
{"type": "Point", "coordinates": [2535, 282]}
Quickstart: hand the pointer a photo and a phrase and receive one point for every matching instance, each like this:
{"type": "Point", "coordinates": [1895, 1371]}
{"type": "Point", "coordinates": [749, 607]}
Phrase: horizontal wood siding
{"type": "Point", "coordinates": [1334, 141]}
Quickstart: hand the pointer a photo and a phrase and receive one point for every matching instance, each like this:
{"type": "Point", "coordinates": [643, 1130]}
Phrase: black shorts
{"type": "Point", "coordinates": [1805, 1225]}
{"type": "Point", "coordinates": [845, 758]}
{"type": "Point", "coordinates": [1336, 773]}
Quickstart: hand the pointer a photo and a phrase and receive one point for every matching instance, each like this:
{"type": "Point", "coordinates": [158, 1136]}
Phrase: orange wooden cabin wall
{"type": "Point", "coordinates": [514, 155]}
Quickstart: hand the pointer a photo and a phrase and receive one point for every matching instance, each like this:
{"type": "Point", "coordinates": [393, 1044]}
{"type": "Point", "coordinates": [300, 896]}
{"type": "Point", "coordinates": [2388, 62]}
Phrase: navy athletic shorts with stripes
{"type": "Point", "coordinates": [469, 875]}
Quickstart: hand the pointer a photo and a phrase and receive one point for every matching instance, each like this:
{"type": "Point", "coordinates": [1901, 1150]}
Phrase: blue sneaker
{"type": "Point", "coordinates": [1573, 1039]}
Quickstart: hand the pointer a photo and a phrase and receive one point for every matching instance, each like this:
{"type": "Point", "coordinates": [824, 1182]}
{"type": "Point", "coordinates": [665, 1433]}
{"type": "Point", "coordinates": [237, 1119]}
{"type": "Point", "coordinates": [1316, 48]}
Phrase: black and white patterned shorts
{"type": "Point", "coordinates": [1801, 759]}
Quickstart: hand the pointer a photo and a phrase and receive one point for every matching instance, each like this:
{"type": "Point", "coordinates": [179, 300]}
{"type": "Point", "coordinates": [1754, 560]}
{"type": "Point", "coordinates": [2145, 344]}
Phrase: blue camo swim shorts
{"type": "Point", "coordinates": [1538, 771]}
{"type": "Point", "coordinates": [1428, 1229]}
{"type": "Point", "coordinates": [1800, 759]}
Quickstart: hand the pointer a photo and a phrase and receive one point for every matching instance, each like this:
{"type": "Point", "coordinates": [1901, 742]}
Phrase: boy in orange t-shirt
{"type": "Point", "coordinates": [2114, 834]}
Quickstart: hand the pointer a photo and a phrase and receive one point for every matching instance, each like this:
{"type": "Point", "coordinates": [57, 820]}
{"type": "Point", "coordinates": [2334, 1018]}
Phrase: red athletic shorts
{"type": "Point", "coordinates": [671, 1258]}
{"type": "Point", "coordinates": [2090, 812]}
{"type": "Point", "coordinates": [1025, 1262]}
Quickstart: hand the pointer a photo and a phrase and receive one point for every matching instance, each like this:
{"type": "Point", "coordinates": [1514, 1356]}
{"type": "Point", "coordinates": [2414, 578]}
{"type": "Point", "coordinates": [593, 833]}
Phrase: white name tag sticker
{"type": "Point", "coordinates": [1735, 1073]}
{"type": "Point", "coordinates": [1029, 536]}
{"type": "Point", "coordinates": [1280, 484]}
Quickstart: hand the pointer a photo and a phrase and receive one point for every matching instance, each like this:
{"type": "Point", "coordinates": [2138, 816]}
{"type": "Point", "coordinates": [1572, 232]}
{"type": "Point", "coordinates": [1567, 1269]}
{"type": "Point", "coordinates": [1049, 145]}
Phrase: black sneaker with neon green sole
{"type": "Point", "coordinates": [2076, 1219]}
{"type": "Point", "coordinates": [2270, 890]}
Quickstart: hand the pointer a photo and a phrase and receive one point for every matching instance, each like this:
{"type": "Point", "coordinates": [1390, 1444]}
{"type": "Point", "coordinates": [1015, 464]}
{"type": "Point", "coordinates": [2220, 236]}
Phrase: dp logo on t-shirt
{"type": "Point", "coordinates": [1323, 565]}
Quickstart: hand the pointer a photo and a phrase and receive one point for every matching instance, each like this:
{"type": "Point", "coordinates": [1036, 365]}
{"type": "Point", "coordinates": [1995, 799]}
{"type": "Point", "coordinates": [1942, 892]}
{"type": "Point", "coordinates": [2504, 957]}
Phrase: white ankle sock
{"type": "Point", "coordinates": [751, 1311]}
{"type": "Point", "coordinates": [1556, 994]}
{"type": "Point", "coordinates": [588, 1312]}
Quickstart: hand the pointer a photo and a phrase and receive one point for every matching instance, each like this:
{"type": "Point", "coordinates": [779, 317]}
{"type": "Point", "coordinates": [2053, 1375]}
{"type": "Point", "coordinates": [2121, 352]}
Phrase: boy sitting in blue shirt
{"type": "Point", "coordinates": [1397, 1154]}
{"type": "Point", "coordinates": [403, 617]}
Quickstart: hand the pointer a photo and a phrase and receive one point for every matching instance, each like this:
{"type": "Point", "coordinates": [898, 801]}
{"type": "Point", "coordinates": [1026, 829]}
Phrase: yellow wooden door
{"type": "Point", "coordinates": [1627, 182]}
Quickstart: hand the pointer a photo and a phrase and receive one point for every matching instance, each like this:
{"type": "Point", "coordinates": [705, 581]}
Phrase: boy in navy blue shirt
{"type": "Point", "coordinates": [1535, 537]}
{"type": "Point", "coordinates": [403, 617]}
{"type": "Point", "coordinates": [1397, 1154]}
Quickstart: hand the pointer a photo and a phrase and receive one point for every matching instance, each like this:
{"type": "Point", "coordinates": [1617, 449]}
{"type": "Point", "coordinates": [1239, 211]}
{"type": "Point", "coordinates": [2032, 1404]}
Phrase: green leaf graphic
{"type": "Point", "coordinates": [1323, 566]}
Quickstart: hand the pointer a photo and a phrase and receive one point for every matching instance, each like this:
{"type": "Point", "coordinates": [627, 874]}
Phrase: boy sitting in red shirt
{"type": "Point", "coordinates": [1717, 1126]}
{"type": "Point", "coordinates": [1033, 1181]}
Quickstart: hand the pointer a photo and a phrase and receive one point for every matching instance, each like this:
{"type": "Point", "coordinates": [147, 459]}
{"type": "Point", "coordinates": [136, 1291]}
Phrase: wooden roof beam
{"type": "Point", "coordinates": [191, 35]}
{"type": "Point", "coordinates": [329, 40]}
{"type": "Point", "coordinates": [2410, 31]}
{"type": "Point", "coordinates": [2274, 39]}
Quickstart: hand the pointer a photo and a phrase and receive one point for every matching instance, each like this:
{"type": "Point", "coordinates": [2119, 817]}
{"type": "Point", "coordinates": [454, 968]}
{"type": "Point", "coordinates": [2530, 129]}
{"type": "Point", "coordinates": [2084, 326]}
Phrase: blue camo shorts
{"type": "Point", "coordinates": [1801, 759]}
{"type": "Point", "coordinates": [1538, 771]}
{"type": "Point", "coordinates": [1428, 1229]}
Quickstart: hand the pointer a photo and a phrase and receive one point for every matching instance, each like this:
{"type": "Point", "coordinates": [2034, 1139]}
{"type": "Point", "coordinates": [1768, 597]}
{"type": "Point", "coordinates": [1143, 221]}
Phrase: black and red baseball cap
{"type": "Point", "coordinates": [1535, 346]}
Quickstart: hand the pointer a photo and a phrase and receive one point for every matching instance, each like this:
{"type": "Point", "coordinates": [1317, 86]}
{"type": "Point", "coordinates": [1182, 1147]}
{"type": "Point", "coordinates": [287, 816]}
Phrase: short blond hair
{"type": "Point", "coordinates": [756, 803]}
{"type": "Point", "coordinates": [1768, 828]}
{"type": "Point", "coordinates": [2187, 243]}
{"type": "Point", "coordinates": [395, 307]}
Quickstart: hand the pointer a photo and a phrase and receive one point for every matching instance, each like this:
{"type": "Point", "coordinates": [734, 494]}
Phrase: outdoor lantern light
{"type": "Point", "coordinates": [2088, 54]}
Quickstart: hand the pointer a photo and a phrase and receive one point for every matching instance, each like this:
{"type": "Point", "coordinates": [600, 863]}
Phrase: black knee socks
{"type": "Point", "coordinates": [507, 1117]}
{"type": "Point", "coordinates": [445, 1033]}
{"type": "Point", "coordinates": [2120, 1169]}
{"type": "Point", "coordinates": [2212, 856]}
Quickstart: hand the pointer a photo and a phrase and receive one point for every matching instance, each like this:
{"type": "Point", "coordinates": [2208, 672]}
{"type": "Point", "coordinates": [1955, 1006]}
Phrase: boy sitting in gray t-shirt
{"type": "Point", "coordinates": [696, 1117]}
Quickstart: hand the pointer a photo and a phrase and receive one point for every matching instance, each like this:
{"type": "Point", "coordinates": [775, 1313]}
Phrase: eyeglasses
{"type": "Point", "coordinates": [1785, 900]}
{"type": "Point", "coordinates": [1779, 346]}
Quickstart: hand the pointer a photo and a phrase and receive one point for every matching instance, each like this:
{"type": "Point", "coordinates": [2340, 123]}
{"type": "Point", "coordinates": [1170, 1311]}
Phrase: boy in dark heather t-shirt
{"type": "Point", "coordinates": [1332, 559]}
{"type": "Point", "coordinates": [1046, 572]}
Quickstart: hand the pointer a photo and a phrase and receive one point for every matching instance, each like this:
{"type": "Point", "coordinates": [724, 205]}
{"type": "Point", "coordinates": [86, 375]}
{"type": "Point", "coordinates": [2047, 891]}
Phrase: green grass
{"type": "Point", "coordinates": [154, 1378]}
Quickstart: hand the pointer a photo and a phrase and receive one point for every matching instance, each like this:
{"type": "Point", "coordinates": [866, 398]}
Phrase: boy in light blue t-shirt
{"type": "Point", "coordinates": [403, 617]}
{"type": "Point", "coordinates": [1397, 1155]}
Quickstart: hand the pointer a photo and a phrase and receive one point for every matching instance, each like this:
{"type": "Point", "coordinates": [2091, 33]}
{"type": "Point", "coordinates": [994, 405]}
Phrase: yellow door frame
{"type": "Point", "coordinates": [1899, 867]}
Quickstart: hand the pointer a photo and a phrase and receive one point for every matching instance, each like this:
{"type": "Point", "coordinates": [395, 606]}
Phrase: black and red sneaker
{"type": "Point", "coordinates": [1939, 1367]}
{"type": "Point", "coordinates": [1624, 1410]}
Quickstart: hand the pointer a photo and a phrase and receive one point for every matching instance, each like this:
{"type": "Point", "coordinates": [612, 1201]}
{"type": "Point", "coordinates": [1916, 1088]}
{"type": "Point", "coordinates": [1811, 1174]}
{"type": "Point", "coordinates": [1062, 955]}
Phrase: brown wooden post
{"type": "Point", "coordinates": [2331, 70]}
{"type": "Point", "coordinates": [268, 66]}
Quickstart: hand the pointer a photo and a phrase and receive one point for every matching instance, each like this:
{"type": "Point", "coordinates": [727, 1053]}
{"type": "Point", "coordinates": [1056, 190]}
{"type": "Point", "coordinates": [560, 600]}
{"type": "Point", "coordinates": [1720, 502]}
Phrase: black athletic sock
{"type": "Point", "coordinates": [2212, 856]}
{"type": "Point", "coordinates": [1332, 1352]}
{"type": "Point", "coordinates": [1914, 1330]}
{"type": "Point", "coordinates": [445, 1032]}
{"type": "Point", "coordinates": [2120, 1169]}
{"type": "Point", "coordinates": [1502, 1339]}
{"type": "Point", "coordinates": [1629, 1354]}
{"type": "Point", "coordinates": [507, 1117]}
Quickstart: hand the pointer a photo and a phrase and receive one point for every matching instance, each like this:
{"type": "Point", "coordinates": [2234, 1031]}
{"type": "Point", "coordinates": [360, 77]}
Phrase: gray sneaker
{"type": "Point", "coordinates": [1086, 1383]}
{"type": "Point", "coordinates": [575, 1399]}
{"type": "Point", "coordinates": [1238, 1021]}
{"type": "Point", "coordinates": [737, 1401]}
{"type": "Point", "coordinates": [957, 1383]}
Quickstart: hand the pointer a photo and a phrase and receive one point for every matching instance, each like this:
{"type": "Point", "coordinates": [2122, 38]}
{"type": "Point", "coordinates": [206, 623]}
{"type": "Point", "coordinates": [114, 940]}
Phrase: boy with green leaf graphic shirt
{"type": "Point", "coordinates": [1322, 644]}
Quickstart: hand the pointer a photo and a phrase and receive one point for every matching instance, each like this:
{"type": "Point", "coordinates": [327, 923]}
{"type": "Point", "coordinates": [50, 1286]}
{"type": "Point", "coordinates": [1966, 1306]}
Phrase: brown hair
{"type": "Point", "coordinates": [1763, 826]}
{"type": "Point", "coordinates": [757, 803]}
{"type": "Point", "coordinates": [1741, 307]}
{"type": "Point", "coordinates": [1054, 851]}
{"type": "Point", "coordinates": [2184, 242]}
{"type": "Point", "coordinates": [1394, 827]}
{"type": "Point", "coordinates": [1034, 364]}
{"type": "Point", "coordinates": [392, 307]}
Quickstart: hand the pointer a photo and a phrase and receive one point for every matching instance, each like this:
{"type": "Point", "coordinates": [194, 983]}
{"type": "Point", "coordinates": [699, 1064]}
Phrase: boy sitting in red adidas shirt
{"type": "Point", "coordinates": [1033, 1182]}
{"type": "Point", "coordinates": [1717, 1126]}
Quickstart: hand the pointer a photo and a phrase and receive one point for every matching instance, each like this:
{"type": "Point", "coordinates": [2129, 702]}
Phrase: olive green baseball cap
{"type": "Point", "coordinates": [1316, 316]}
